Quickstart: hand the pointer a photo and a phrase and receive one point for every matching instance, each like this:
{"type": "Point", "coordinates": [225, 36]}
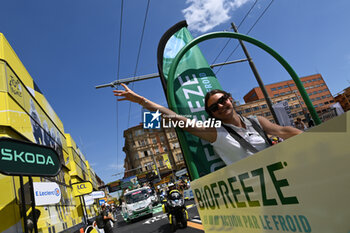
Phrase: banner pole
{"type": "Point", "coordinates": [86, 216]}
{"type": "Point", "coordinates": [33, 203]}
{"type": "Point", "coordinates": [23, 207]}
{"type": "Point", "coordinates": [82, 209]}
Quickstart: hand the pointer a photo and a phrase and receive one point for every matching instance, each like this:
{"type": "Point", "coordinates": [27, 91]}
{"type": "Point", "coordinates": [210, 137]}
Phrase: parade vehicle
{"type": "Point", "coordinates": [137, 203]}
{"type": "Point", "coordinates": [175, 207]}
{"type": "Point", "coordinates": [153, 196]}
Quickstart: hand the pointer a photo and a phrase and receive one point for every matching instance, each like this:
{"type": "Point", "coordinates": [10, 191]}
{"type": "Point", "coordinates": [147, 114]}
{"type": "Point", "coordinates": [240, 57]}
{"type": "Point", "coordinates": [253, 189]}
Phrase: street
{"type": "Point", "coordinates": [159, 222]}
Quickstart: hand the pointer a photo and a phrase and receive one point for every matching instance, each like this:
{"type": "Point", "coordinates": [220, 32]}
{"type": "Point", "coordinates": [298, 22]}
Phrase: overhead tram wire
{"type": "Point", "coordinates": [118, 69]}
{"type": "Point", "coordinates": [244, 18]}
{"type": "Point", "coordinates": [251, 28]}
{"type": "Point", "coordinates": [138, 55]}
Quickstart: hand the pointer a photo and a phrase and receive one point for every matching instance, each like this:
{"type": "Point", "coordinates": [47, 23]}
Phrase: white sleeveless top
{"type": "Point", "coordinates": [229, 150]}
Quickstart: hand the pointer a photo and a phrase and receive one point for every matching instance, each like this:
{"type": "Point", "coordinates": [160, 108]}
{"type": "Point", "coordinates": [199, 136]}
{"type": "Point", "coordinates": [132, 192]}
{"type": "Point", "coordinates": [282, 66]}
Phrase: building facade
{"type": "Point", "coordinates": [260, 108]}
{"type": "Point", "coordinates": [314, 85]}
{"type": "Point", "coordinates": [343, 98]}
{"type": "Point", "coordinates": [145, 147]}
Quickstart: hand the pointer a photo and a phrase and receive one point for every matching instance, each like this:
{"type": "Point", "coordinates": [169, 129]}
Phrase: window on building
{"type": "Point", "coordinates": [263, 106]}
{"type": "Point", "coordinates": [239, 112]}
{"type": "Point", "coordinates": [315, 105]}
{"type": "Point", "coordinates": [279, 88]}
{"type": "Point", "coordinates": [294, 98]}
{"type": "Point", "coordinates": [318, 98]}
{"type": "Point", "coordinates": [282, 93]}
{"type": "Point", "coordinates": [276, 95]}
{"type": "Point", "coordinates": [267, 113]}
{"type": "Point", "coordinates": [161, 164]}
{"type": "Point", "coordinates": [156, 150]}
{"type": "Point", "coordinates": [256, 108]}
{"type": "Point", "coordinates": [332, 101]}
{"type": "Point", "coordinates": [273, 89]}
{"type": "Point", "coordinates": [247, 110]}
{"type": "Point", "coordinates": [319, 78]}
{"type": "Point", "coordinates": [326, 102]}
{"type": "Point", "coordinates": [321, 104]}
{"type": "Point", "coordinates": [300, 113]}
{"type": "Point", "coordinates": [292, 85]}
{"type": "Point", "coordinates": [145, 153]}
{"type": "Point", "coordinates": [154, 140]}
{"type": "Point", "coordinates": [136, 156]}
{"type": "Point", "coordinates": [148, 166]}
{"type": "Point", "coordinates": [294, 115]}
{"type": "Point", "coordinates": [297, 106]}
{"type": "Point", "coordinates": [162, 139]}
{"type": "Point", "coordinates": [165, 148]}
{"type": "Point", "coordinates": [176, 145]}
{"type": "Point", "coordinates": [139, 132]}
{"type": "Point", "coordinates": [286, 86]}
{"type": "Point", "coordinates": [179, 157]}
{"type": "Point", "coordinates": [314, 93]}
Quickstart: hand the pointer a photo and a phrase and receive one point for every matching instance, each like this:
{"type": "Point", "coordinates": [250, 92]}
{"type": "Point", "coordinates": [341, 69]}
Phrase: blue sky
{"type": "Point", "coordinates": [69, 47]}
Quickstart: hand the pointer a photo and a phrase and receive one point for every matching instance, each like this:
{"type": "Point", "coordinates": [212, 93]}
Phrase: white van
{"type": "Point", "coordinates": [137, 203]}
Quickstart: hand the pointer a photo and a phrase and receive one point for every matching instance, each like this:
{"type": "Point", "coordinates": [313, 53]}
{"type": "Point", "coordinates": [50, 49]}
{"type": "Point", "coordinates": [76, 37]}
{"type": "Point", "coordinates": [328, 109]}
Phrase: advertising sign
{"type": "Point", "coordinates": [299, 185]}
{"type": "Point", "coordinates": [102, 201]}
{"type": "Point", "coordinates": [46, 193]}
{"type": "Point", "coordinates": [88, 199]}
{"type": "Point", "coordinates": [114, 186]}
{"type": "Point", "coordinates": [97, 194]}
{"type": "Point", "coordinates": [82, 188]}
{"type": "Point", "coordinates": [29, 159]}
{"type": "Point", "coordinates": [283, 113]}
{"type": "Point", "coordinates": [194, 79]}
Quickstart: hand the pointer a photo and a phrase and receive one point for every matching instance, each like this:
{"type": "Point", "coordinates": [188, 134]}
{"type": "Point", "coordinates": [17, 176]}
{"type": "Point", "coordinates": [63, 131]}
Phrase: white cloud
{"type": "Point", "coordinates": [204, 15]}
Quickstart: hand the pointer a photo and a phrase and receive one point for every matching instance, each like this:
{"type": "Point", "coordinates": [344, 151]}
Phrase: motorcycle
{"type": "Point", "coordinates": [175, 207]}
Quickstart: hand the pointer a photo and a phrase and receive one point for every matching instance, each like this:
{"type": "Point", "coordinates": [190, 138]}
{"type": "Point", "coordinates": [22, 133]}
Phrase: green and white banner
{"type": "Point", "coordinates": [194, 79]}
{"type": "Point", "coordinates": [299, 185]}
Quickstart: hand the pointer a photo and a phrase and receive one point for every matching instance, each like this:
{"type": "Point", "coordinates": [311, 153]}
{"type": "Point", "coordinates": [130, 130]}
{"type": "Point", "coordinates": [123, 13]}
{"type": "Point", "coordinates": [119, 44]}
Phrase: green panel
{"type": "Point", "coordinates": [24, 158]}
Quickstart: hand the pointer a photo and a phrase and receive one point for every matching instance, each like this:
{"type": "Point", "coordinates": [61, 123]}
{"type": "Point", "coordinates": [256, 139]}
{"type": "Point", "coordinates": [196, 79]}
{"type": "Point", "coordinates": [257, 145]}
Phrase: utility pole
{"type": "Point", "coordinates": [257, 76]}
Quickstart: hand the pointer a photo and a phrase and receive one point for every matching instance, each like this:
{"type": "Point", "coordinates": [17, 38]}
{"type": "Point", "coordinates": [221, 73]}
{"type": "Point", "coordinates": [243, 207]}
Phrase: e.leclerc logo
{"type": "Point", "coordinates": [55, 192]}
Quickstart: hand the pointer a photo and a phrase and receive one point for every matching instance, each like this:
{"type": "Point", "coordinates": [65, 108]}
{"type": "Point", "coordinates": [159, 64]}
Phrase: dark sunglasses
{"type": "Point", "coordinates": [214, 107]}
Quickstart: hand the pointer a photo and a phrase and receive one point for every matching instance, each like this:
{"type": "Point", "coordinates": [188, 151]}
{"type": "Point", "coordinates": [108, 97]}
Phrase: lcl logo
{"type": "Point", "coordinates": [82, 186]}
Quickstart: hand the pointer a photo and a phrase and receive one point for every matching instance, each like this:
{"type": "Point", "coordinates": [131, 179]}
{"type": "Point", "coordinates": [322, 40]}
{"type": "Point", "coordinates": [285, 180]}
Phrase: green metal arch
{"type": "Point", "coordinates": [279, 58]}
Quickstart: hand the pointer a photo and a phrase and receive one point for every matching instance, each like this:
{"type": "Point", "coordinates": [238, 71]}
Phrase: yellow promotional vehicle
{"type": "Point", "coordinates": [26, 115]}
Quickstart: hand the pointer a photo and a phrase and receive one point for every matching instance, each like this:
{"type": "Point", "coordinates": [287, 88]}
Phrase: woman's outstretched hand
{"type": "Point", "coordinates": [127, 94]}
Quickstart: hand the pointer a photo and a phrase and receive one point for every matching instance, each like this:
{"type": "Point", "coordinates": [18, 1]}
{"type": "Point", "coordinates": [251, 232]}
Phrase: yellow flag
{"type": "Point", "coordinates": [167, 161]}
{"type": "Point", "coordinates": [154, 169]}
